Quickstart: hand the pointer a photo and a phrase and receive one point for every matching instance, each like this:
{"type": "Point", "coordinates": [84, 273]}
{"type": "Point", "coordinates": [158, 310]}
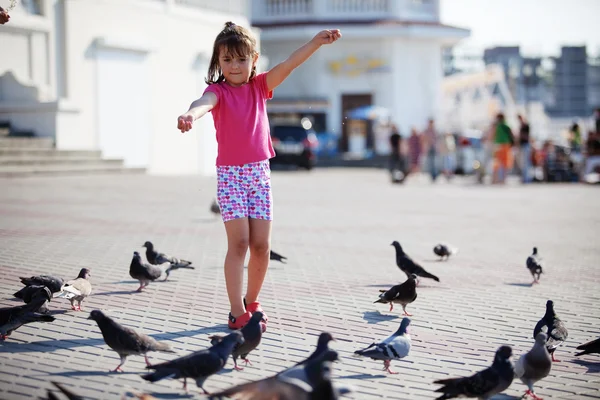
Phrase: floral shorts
{"type": "Point", "coordinates": [245, 191]}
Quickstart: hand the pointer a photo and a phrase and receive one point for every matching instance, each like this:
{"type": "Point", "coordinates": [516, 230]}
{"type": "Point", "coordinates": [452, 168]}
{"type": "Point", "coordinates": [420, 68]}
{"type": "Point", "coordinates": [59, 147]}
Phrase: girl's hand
{"type": "Point", "coordinates": [184, 122]}
{"type": "Point", "coordinates": [327, 36]}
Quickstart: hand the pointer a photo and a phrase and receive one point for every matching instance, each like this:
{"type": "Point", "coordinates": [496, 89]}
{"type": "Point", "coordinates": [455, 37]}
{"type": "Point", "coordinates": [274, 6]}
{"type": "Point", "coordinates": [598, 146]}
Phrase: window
{"type": "Point", "coordinates": [33, 6]}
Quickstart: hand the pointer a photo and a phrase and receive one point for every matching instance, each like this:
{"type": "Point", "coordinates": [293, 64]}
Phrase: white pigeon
{"type": "Point", "coordinates": [394, 347]}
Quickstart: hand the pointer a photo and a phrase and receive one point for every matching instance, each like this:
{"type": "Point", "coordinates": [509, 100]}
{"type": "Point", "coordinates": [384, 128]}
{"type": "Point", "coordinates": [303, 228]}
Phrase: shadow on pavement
{"type": "Point", "coordinates": [520, 284]}
{"type": "Point", "coordinates": [592, 367]}
{"type": "Point", "coordinates": [362, 376]}
{"type": "Point", "coordinates": [374, 317]}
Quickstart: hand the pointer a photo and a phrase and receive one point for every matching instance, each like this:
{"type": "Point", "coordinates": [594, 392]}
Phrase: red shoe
{"type": "Point", "coordinates": [254, 307]}
{"type": "Point", "coordinates": [239, 322]}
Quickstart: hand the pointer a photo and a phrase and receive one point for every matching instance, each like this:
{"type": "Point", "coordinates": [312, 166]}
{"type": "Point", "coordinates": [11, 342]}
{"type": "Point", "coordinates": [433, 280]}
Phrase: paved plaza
{"type": "Point", "coordinates": [335, 226]}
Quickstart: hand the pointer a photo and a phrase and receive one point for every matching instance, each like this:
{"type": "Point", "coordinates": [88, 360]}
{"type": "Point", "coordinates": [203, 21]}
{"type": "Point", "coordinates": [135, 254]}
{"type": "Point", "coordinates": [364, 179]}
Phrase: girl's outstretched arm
{"type": "Point", "coordinates": [282, 70]}
{"type": "Point", "coordinates": [197, 110]}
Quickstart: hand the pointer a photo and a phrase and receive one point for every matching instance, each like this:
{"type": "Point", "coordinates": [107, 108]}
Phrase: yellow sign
{"type": "Point", "coordinates": [354, 66]}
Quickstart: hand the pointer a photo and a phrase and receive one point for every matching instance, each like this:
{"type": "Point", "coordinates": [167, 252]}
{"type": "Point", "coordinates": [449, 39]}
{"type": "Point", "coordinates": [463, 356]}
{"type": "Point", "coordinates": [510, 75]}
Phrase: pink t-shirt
{"type": "Point", "coordinates": [240, 116]}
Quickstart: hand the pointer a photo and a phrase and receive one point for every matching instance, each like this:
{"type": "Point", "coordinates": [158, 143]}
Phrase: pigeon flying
{"type": "Point", "coordinates": [555, 329]}
{"type": "Point", "coordinates": [403, 294]}
{"type": "Point", "coordinates": [394, 347]}
{"type": "Point", "coordinates": [484, 384]}
{"type": "Point", "coordinates": [156, 258]}
{"type": "Point", "coordinates": [125, 341]}
{"type": "Point", "coordinates": [408, 266]}
{"type": "Point", "coordinates": [214, 207]}
{"type": "Point", "coordinates": [322, 347]}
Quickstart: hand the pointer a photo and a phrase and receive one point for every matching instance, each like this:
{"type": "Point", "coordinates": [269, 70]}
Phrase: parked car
{"type": "Point", "coordinates": [294, 145]}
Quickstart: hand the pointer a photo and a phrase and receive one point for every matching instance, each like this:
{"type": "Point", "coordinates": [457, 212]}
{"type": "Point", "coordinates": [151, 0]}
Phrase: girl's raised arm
{"type": "Point", "coordinates": [197, 110]}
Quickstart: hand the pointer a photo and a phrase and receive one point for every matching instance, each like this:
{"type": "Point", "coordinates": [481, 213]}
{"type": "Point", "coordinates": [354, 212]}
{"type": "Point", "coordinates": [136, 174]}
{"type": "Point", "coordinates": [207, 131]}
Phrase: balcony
{"type": "Point", "coordinates": [267, 12]}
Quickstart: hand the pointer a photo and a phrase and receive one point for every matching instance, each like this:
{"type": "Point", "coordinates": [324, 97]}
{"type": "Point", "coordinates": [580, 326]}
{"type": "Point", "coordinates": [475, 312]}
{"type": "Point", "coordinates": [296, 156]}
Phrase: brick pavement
{"type": "Point", "coordinates": [335, 226]}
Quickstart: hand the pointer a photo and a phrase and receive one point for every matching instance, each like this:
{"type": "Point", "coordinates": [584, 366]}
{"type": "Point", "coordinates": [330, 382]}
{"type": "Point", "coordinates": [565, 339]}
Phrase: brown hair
{"type": "Point", "coordinates": [239, 42]}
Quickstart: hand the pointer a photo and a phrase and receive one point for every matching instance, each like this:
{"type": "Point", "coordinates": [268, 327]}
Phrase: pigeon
{"type": "Point", "coordinates": [408, 266]}
{"type": "Point", "coordinates": [322, 347]}
{"type": "Point", "coordinates": [484, 384]}
{"type": "Point", "coordinates": [214, 207]}
{"type": "Point", "coordinates": [142, 271]}
{"type": "Point", "coordinates": [125, 341]}
{"type": "Point", "coordinates": [252, 333]}
{"type": "Point", "coordinates": [77, 289]}
{"type": "Point", "coordinates": [26, 294]}
{"type": "Point", "coordinates": [199, 365]}
{"type": "Point", "coordinates": [403, 294]}
{"type": "Point", "coordinates": [277, 257]}
{"type": "Point", "coordinates": [53, 283]}
{"type": "Point", "coordinates": [12, 318]}
{"type": "Point", "coordinates": [534, 365]}
{"type": "Point", "coordinates": [443, 250]}
{"type": "Point", "coordinates": [394, 347]}
{"type": "Point", "coordinates": [67, 392]}
{"type": "Point", "coordinates": [534, 266]}
{"type": "Point", "coordinates": [303, 382]}
{"type": "Point", "coordinates": [592, 347]}
{"type": "Point", "coordinates": [156, 258]}
{"type": "Point", "coordinates": [556, 330]}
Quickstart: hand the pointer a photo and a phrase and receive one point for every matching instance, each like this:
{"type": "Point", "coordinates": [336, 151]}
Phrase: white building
{"type": "Point", "coordinates": [390, 56]}
{"type": "Point", "coordinates": [113, 75]}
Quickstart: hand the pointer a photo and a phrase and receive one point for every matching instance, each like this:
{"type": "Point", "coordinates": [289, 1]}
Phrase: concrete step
{"type": "Point", "coordinates": [28, 160]}
{"type": "Point", "coordinates": [8, 171]}
{"type": "Point", "coordinates": [20, 142]}
{"type": "Point", "coordinates": [18, 152]}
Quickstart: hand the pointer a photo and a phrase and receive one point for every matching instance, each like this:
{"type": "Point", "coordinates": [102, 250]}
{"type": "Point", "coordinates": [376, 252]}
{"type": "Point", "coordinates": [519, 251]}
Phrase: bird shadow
{"type": "Point", "coordinates": [435, 260]}
{"type": "Point", "coordinates": [92, 373]}
{"type": "Point", "coordinates": [504, 396]}
{"type": "Point", "coordinates": [172, 395]}
{"type": "Point", "coordinates": [115, 292]}
{"type": "Point", "coordinates": [362, 376]}
{"type": "Point", "coordinates": [592, 367]}
{"type": "Point", "coordinates": [374, 317]}
{"type": "Point", "coordinates": [519, 284]}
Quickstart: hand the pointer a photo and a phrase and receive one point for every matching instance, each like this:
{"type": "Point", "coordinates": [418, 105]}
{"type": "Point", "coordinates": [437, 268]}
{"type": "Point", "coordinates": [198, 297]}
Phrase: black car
{"type": "Point", "coordinates": [294, 145]}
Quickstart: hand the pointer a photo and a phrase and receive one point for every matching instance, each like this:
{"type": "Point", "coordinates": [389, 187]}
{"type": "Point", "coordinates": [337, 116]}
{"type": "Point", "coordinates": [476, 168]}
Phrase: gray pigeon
{"type": "Point", "coordinates": [403, 294]}
{"type": "Point", "coordinates": [408, 266]}
{"type": "Point", "coordinates": [214, 207]}
{"type": "Point", "coordinates": [592, 347]}
{"type": "Point", "coordinates": [142, 271]}
{"type": "Point", "coordinates": [310, 381]}
{"type": "Point", "coordinates": [534, 365]}
{"type": "Point", "coordinates": [444, 250]}
{"type": "Point", "coordinates": [534, 266]}
{"type": "Point", "coordinates": [199, 365]}
{"type": "Point", "coordinates": [156, 258]}
{"type": "Point", "coordinates": [277, 257]}
{"type": "Point", "coordinates": [125, 341]}
{"type": "Point", "coordinates": [252, 333]}
{"type": "Point", "coordinates": [322, 347]}
{"type": "Point", "coordinates": [12, 318]}
{"type": "Point", "coordinates": [77, 289]}
{"type": "Point", "coordinates": [394, 347]}
{"type": "Point", "coordinates": [484, 384]}
{"type": "Point", "coordinates": [555, 329]}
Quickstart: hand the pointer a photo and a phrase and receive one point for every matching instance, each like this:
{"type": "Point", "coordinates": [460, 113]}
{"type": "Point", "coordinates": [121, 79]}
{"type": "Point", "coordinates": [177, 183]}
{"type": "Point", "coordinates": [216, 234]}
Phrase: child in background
{"type": "Point", "coordinates": [237, 97]}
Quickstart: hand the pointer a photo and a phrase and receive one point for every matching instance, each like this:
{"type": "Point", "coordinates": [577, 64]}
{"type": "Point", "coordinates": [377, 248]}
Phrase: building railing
{"type": "Point", "coordinates": [225, 6]}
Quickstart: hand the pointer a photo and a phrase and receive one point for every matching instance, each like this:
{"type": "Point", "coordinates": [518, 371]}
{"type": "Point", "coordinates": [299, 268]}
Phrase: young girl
{"type": "Point", "coordinates": [237, 97]}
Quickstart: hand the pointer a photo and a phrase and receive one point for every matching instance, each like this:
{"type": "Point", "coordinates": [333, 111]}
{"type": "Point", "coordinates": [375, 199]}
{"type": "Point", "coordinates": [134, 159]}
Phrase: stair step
{"type": "Point", "coordinates": [57, 161]}
{"type": "Point", "coordinates": [34, 152]}
{"type": "Point", "coordinates": [7, 171]}
{"type": "Point", "coordinates": [20, 142]}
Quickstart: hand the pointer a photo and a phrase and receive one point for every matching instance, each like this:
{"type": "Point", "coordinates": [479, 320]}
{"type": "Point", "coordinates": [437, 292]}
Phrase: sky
{"type": "Point", "coordinates": [540, 27]}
